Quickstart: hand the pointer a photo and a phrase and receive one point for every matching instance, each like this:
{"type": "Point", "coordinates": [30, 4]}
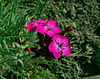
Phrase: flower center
{"type": "Point", "coordinates": [33, 28]}
{"type": "Point", "coordinates": [48, 28]}
{"type": "Point", "coordinates": [60, 45]}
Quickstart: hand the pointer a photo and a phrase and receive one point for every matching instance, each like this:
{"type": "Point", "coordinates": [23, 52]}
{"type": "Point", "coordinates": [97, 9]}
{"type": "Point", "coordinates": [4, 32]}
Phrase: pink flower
{"type": "Point", "coordinates": [33, 24]}
{"type": "Point", "coordinates": [52, 28]}
{"type": "Point", "coordinates": [60, 44]}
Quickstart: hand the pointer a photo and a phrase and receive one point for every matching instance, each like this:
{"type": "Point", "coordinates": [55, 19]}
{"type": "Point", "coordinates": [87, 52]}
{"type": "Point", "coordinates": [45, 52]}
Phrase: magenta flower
{"type": "Point", "coordinates": [33, 24]}
{"type": "Point", "coordinates": [60, 44]}
{"type": "Point", "coordinates": [49, 27]}
{"type": "Point", "coordinates": [52, 28]}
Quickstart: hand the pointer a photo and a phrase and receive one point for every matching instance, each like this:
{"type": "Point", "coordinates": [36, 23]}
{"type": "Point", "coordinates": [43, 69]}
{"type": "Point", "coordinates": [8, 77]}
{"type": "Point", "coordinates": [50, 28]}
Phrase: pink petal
{"type": "Point", "coordinates": [57, 54]}
{"type": "Point", "coordinates": [57, 29]}
{"type": "Point", "coordinates": [50, 33]}
{"type": "Point", "coordinates": [57, 39]}
{"type": "Point", "coordinates": [31, 26]}
{"type": "Point", "coordinates": [31, 23]}
{"type": "Point", "coordinates": [66, 40]}
{"type": "Point", "coordinates": [67, 50]}
{"type": "Point", "coordinates": [53, 47]}
{"type": "Point", "coordinates": [52, 23]}
{"type": "Point", "coordinates": [40, 29]}
{"type": "Point", "coordinates": [61, 39]}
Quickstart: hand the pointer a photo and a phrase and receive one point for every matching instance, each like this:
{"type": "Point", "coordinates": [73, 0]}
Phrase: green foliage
{"type": "Point", "coordinates": [16, 63]}
{"type": "Point", "coordinates": [96, 58]}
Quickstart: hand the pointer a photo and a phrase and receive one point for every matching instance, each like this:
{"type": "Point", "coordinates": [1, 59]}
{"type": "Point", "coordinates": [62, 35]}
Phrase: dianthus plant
{"type": "Point", "coordinates": [59, 43]}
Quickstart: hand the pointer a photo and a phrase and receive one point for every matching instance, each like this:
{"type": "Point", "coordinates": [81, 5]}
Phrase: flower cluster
{"type": "Point", "coordinates": [49, 27]}
{"type": "Point", "coordinates": [59, 42]}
